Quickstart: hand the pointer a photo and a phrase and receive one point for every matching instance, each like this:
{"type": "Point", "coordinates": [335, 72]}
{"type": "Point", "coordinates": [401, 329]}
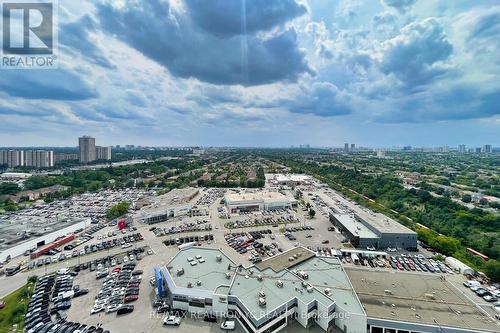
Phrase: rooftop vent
{"type": "Point", "coordinates": [304, 284]}
{"type": "Point", "coordinates": [198, 283]}
{"type": "Point", "coordinates": [262, 293]}
{"type": "Point", "coordinates": [218, 258]}
{"type": "Point", "coordinates": [279, 284]}
{"type": "Point", "coordinates": [180, 271]}
{"type": "Point", "coordinates": [262, 301]}
{"type": "Point", "coordinates": [259, 277]}
{"type": "Point", "coordinates": [328, 291]}
{"type": "Point", "coordinates": [291, 259]}
{"type": "Point", "coordinates": [309, 289]}
{"type": "Point", "coordinates": [250, 271]}
{"type": "Point", "coordinates": [190, 285]}
{"type": "Point", "coordinates": [388, 292]}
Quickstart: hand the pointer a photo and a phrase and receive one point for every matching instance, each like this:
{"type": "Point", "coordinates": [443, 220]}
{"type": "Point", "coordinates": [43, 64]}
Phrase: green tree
{"type": "Point", "coordinates": [117, 210]}
{"type": "Point", "coordinates": [466, 198]}
{"type": "Point", "coordinates": [9, 188]}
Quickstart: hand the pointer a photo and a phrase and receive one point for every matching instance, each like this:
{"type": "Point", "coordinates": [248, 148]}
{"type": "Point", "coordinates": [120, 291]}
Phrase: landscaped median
{"type": "Point", "coordinates": [16, 303]}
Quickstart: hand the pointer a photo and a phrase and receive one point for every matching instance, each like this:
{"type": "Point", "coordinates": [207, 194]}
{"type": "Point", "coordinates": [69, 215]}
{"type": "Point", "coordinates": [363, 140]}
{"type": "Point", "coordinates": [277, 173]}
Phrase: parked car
{"type": "Point", "coordinates": [172, 320]}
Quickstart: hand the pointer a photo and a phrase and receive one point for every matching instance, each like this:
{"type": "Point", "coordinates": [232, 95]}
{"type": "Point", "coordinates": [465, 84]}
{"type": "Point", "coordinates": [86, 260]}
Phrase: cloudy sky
{"type": "Point", "coordinates": [263, 73]}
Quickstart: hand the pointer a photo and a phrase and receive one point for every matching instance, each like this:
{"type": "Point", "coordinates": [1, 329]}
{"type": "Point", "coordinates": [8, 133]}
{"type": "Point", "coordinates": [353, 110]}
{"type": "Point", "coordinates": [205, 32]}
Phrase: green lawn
{"type": "Point", "coordinates": [12, 315]}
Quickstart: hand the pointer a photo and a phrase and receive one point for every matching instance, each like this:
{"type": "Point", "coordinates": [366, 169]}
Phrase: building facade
{"type": "Point", "coordinates": [87, 149]}
{"type": "Point", "coordinates": [103, 153]}
{"type": "Point", "coordinates": [30, 158]}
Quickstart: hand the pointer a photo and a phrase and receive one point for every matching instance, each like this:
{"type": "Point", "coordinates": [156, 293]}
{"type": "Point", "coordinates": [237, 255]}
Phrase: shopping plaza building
{"type": "Point", "coordinates": [297, 285]}
{"type": "Point", "coordinates": [256, 201]}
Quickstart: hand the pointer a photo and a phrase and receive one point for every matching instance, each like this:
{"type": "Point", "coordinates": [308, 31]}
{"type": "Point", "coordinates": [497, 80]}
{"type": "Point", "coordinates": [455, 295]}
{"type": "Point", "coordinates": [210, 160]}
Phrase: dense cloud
{"type": "Point", "coordinates": [187, 51]}
{"type": "Point", "coordinates": [321, 99]}
{"type": "Point", "coordinates": [60, 84]}
{"type": "Point", "coordinates": [412, 55]}
{"type": "Point", "coordinates": [401, 5]}
{"type": "Point", "coordinates": [226, 17]}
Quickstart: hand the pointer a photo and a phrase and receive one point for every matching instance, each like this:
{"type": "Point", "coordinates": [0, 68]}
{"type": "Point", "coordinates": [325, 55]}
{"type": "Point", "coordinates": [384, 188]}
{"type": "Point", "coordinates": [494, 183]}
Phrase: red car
{"type": "Point", "coordinates": [131, 298]}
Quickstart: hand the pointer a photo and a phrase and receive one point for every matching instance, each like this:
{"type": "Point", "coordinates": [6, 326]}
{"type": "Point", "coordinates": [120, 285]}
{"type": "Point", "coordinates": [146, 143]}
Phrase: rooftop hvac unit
{"type": "Point", "coordinates": [259, 277]}
{"type": "Point", "coordinates": [304, 284]}
{"type": "Point", "coordinates": [279, 284]}
{"type": "Point", "coordinates": [262, 301]}
{"type": "Point", "coordinates": [190, 259]}
{"type": "Point", "coordinates": [218, 258]}
{"type": "Point", "coordinates": [228, 275]}
{"type": "Point", "coordinates": [430, 296]}
{"type": "Point", "coordinates": [328, 291]}
{"type": "Point", "coordinates": [303, 275]}
{"type": "Point", "coordinates": [299, 254]}
{"type": "Point", "coordinates": [262, 293]}
{"type": "Point", "coordinates": [190, 285]}
{"type": "Point", "coordinates": [291, 259]}
{"type": "Point", "coordinates": [309, 289]}
{"type": "Point", "coordinates": [198, 283]}
{"type": "Point", "coordinates": [251, 271]}
{"type": "Point", "coordinates": [388, 292]}
{"type": "Point", "coordinates": [180, 271]}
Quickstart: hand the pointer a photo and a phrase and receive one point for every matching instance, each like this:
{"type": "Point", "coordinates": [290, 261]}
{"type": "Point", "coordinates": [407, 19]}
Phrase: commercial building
{"type": "Point", "coordinates": [169, 205]}
{"type": "Point", "coordinates": [316, 292]}
{"type": "Point", "coordinates": [17, 239]}
{"type": "Point", "coordinates": [87, 150]}
{"type": "Point", "coordinates": [255, 201]}
{"type": "Point", "coordinates": [264, 298]}
{"type": "Point", "coordinates": [365, 229]}
{"type": "Point", "coordinates": [292, 180]}
{"type": "Point", "coordinates": [404, 303]}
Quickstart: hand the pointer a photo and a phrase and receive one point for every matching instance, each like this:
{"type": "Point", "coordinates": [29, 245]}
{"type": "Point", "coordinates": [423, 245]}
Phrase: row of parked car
{"type": "Point", "coordinates": [186, 227]}
{"type": "Point", "coordinates": [85, 237]}
{"type": "Point", "coordinates": [490, 293]}
{"type": "Point", "coordinates": [110, 261]}
{"type": "Point", "coordinates": [188, 239]}
{"type": "Point", "coordinates": [51, 298]}
{"type": "Point", "coordinates": [124, 242]}
{"type": "Point", "coordinates": [210, 196]}
{"type": "Point", "coordinates": [120, 286]}
{"type": "Point", "coordinates": [244, 242]}
{"type": "Point", "coordinates": [266, 220]}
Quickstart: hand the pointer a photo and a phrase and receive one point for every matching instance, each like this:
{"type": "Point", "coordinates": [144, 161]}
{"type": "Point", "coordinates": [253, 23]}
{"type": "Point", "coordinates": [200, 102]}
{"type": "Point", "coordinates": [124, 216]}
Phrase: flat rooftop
{"type": "Point", "coordinates": [247, 286]}
{"type": "Point", "coordinates": [355, 227]}
{"type": "Point", "coordinates": [282, 261]}
{"type": "Point", "coordinates": [255, 196]}
{"type": "Point", "coordinates": [416, 298]}
{"type": "Point", "coordinates": [382, 223]}
{"type": "Point", "coordinates": [210, 273]}
{"type": "Point", "coordinates": [328, 273]}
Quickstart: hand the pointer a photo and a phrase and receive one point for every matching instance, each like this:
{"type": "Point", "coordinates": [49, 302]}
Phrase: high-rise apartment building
{"type": "Point", "coordinates": [30, 158]}
{"type": "Point", "coordinates": [487, 149]}
{"type": "Point", "coordinates": [87, 149]}
{"type": "Point", "coordinates": [461, 149]}
{"type": "Point", "coordinates": [346, 147]}
{"type": "Point", "coordinates": [39, 158]}
{"type": "Point", "coordinates": [353, 147]}
{"type": "Point", "coordinates": [103, 153]}
{"type": "Point", "coordinates": [12, 158]}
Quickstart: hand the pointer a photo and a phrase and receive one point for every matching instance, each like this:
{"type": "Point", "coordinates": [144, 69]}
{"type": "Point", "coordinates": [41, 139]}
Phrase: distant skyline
{"type": "Point", "coordinates": [377, 73]}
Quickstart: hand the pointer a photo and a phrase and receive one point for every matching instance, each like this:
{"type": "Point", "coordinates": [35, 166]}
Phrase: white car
{"type": "Point", "coordinates": [172, 320]}
{"type": "Point", "coordinates": [227, 325]}
{"type": "Point", "coordinates": [112, 308]}
{"type": "Point", "coordinates": [96, 309]}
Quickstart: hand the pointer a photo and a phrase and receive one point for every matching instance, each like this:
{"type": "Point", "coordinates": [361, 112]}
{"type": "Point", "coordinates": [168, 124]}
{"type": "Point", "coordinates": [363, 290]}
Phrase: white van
{"type": "Point", "coordinates": [63, 271]}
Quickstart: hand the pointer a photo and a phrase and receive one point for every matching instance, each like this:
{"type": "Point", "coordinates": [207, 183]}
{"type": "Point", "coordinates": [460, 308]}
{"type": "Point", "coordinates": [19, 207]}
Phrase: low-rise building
{"type": "Point", "coordinates": [256, 201]}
